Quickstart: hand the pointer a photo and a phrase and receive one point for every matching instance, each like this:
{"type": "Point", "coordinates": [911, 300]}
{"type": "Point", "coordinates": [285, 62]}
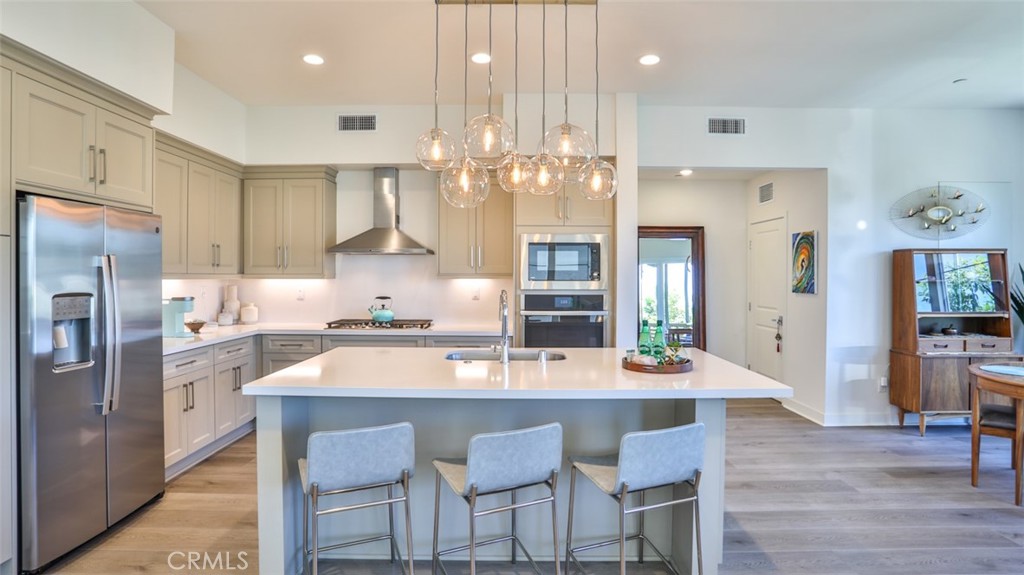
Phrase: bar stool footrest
{"type": "Point", "coordinates": [515, 540]}
{"type": "Point", "coordinates": [573, 559]}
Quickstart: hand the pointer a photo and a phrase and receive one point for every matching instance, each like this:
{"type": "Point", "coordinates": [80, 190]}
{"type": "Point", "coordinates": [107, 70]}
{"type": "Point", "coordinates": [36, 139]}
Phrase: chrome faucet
{"type": "Point", "coordinates": [503, 316]}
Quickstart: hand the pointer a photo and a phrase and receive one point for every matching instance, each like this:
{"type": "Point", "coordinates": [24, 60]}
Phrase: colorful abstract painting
{"type": "Point", "coordinates": [804, 258]}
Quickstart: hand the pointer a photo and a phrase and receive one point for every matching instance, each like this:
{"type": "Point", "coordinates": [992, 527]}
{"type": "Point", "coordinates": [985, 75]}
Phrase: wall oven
{"type": "Point", "coordinates": [551, 319]}
{"type": "Point", "coordinates": [564, 262]}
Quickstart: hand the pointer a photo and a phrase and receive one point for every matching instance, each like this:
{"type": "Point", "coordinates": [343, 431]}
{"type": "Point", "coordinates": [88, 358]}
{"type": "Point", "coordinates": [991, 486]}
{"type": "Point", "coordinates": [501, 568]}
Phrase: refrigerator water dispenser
{"type": "Point", "coordinates": [72, 329]}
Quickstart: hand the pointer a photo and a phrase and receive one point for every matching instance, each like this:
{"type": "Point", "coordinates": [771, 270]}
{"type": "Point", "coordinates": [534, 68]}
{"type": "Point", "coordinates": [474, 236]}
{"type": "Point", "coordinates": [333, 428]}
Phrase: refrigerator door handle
{"type": "Point", "coordinates": [112, 330]}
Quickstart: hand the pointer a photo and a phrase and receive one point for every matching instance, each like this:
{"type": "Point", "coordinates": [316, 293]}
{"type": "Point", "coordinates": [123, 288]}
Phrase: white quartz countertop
{"type": "Point", "coordinates": [227, 333]}
{"type": "Point", "coordinates": [586, 373]}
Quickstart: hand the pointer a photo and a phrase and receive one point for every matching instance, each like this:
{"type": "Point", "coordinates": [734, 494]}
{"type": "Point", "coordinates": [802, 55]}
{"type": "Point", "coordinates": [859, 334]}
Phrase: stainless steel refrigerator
{"type": "Point", "coordinates": [90, 408]}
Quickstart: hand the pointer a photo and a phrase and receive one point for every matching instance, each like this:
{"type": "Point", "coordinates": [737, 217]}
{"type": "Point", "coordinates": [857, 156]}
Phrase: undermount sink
{"type": "Point", "coordinates": [513, 355]}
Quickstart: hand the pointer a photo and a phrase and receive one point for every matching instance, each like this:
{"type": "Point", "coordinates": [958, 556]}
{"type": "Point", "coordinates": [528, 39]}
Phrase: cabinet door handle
{"type": "Point", "coordinates": [286, 257]}
{"type": "Point", "coordinates": [184, 408]}
{"type": "Point", "coordinates": [92, 163]}
{"type": "Point", "coordinates": [988, 345]}
{"type": "Point", "coordinates": [472, 262]}
{"type": "Point", "coordinates": [213, 255]}
{"type": "Point", "coordinates": [289, 345]}
{"type": "Point", "coordinates": [103, 164]}
{"type": "Point", "coordinates": [180, 365]}
{"type": "Point", "coordinates": [216, 259]}
{"type": "Point", "coordinates": [278, 264]}
{"type": "Point", "coordinates": [231, 351]}
{"type": "Point", "coordinates": [568, 209]}
{"type": "Point", "coordinates": [940, 345]}
{"type": "Point", "coordinates": [560, 213]}
{"type": "Point", "coordinates": [479, 256]}
{"type": "Point", "coordinates": [192, 395]}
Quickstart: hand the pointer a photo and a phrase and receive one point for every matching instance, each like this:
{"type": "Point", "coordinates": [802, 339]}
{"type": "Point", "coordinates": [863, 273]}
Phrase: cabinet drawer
{"type": "Point", "coordinates": [941, 345]}
{"type": "Point", "coordinates": [480, 341]}
{"type": "Point", "coordinates": [372, 341]}
{"type": "Point", "coordinates": [233, 349]}
{"type": "Point", "coordinates": [990, 344]}
{"type": "Point", "coordinates": [292, 343]}
{"type": "Point", "coordinates": [187, 362]}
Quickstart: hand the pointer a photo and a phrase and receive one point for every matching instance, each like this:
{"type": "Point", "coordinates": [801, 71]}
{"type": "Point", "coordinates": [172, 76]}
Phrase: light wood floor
{"type": "Point", "coordinates": [800, 499]}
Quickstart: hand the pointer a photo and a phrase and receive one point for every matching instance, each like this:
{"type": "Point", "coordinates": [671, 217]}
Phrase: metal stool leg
{"type": "Point", "coordinates": [568, 529]}
{"type": "Point", "coordinates": [622, 528]}
{"type": "Point", "coordinates": [305, 527]}
{"type": "Point", "coordinates": [408, 520]}
{"type": "Point", "coordinates": [554, 519]}
{"type": "Point", "coordinates": [437, 515]}
{"type": "Point", "coordinates": [513, 527]}
{"type": "Point", "coordinates": [640, 539]}
{"type": "Point", "coordinates": [472, 530]}
{"type": "Point", "coordinates": [700, 554]}
{"type": "Point", "coordinates": [391, 522]}
{"type": "Point", "coordinates": [315, 499]}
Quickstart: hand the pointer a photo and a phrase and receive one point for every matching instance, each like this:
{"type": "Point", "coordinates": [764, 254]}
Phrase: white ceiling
{"type": "Point", "coordinates": [760, 53]}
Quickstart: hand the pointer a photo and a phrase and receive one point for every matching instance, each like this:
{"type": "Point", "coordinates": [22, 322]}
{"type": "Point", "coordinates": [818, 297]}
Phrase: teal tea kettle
{"type": "Point", "coordinates": [380, 310]}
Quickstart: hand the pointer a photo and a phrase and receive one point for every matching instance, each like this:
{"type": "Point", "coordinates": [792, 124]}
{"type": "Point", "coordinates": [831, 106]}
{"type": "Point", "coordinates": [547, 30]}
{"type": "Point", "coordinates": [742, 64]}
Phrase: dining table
{"type": "Point", "coordinates": [1006, 380]}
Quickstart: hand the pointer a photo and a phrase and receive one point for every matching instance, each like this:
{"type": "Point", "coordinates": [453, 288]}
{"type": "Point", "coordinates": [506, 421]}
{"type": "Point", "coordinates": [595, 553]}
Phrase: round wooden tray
{"type": "Point", "coordinates": [677, 368]}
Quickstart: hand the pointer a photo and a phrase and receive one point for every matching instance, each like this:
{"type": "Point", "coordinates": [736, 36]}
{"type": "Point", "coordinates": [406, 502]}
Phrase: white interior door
{"type": "Point", "coordinates": [766, 293]}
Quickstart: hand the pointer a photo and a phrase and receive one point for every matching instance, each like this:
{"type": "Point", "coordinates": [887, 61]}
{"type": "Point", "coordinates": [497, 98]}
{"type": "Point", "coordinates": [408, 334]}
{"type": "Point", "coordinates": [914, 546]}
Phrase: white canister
{"type": "Point", "coordinates": [249, 313]}
{"type": "Point", "coordinates": [232, 307]}
{"type": "Point", "coordinates": [225, 318]}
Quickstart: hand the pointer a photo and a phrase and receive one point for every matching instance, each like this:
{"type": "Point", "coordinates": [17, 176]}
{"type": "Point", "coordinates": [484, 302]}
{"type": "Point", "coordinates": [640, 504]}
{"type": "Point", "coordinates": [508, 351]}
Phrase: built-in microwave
{"type": "Point", "coordinates": [563, 262]}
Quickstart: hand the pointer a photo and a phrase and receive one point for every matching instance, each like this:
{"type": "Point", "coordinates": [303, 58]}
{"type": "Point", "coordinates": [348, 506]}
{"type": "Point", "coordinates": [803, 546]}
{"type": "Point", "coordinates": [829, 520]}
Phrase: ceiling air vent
{"type": "Point", "coordinates": [364, 123]}
{"type": "Point", "coordinates": [727, 126]}
{"type": "Point", "coordinates": [766, 193]}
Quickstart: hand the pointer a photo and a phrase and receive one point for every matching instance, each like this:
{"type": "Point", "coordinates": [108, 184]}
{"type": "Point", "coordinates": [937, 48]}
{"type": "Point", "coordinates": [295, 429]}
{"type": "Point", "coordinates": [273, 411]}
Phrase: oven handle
{"type": "Point", "coordinates": [564, 313]}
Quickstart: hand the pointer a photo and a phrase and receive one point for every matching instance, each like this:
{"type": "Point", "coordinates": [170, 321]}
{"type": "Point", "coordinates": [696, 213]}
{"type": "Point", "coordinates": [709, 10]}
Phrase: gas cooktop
{"type": "Point", "coordinates": [370, 324]}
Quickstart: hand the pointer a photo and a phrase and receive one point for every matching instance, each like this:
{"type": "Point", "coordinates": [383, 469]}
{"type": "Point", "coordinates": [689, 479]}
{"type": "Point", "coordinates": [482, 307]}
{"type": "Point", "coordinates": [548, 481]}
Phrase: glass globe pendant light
{"type": "Point", "coordinates": [435, 148]}
{"type": "Point", "coordinates": [544, 173]}
{"type": "Point", "coordinates": [598, 178]}
{"type": "Point", "coordinates": [488, 137]}
{"type": "Point", "coordinates": [512, 167]}
{"type": "Point", "coordinates": [465, 184]}
{"type": "Point", "coordinates": [571, 144]}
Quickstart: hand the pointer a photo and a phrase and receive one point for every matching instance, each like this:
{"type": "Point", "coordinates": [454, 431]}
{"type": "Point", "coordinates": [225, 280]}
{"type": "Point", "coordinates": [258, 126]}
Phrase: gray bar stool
{"type": "Point", "coordinates": [357, 460]}
{"type": "Point", "coordinates": [646, 460]}
{"type": "Point", "coordinates": [498, 463]}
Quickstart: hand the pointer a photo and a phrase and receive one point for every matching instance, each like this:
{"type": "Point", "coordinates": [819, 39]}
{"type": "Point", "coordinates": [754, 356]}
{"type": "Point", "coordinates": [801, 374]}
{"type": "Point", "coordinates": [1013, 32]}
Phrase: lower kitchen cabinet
{"type": "Point", "coordinates": [235, 366]}
{"type": "Point", "coordinates": [470, 341]}
{"type": "Point", "coordinates": [188, 414]}
{"type": "Point", "coordinates": [281, 351]}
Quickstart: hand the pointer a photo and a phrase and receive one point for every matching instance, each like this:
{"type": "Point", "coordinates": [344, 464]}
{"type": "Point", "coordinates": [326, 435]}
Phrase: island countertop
{"type": "Point", "coordinates": [586, 373]}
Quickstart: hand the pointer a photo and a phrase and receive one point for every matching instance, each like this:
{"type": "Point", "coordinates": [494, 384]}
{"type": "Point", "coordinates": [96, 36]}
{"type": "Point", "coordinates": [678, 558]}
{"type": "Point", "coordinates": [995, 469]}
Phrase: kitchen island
{"type": "Point", "coordinates": [448, 401]}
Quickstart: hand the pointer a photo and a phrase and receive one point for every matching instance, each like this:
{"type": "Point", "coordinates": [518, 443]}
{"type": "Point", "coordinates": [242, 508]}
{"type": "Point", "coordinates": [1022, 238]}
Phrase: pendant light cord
{"type": "Point", "coordinates": [516, 4]}
{"type": "Point", "coordinates": [490, 54]}
{"type": "Point", "coordinates": [597, 84]}
{"type": "Point", "coordinates": [543, 72]}
{"type": "Point", "coordinates": [437, 45]}
{"type": "Point", "coordinates": [465, 75]}
{"type": "Point", "coordinates": [566, 101]}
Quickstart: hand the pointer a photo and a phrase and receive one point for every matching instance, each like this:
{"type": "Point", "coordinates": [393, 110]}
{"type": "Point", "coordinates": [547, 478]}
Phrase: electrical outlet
{"type": "Point", "coordinates": [883, 383]}
{"type": "Point", "coordinates": [476, 294]}
{"type": "Point", "coordinates": [301, 296]}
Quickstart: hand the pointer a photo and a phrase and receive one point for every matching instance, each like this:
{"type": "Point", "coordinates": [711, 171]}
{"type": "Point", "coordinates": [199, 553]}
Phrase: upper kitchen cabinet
{"type": "Point", "coordinates": [65, 143]}
{"type": "Point", "coordinates": [6, 183]}
{"type": "Point", "coordinates": [477, 241]}
{"type": "Point", "coordinates": [199, 196]}
{"type": "Point", "coordinates": [289, 221]}
{"type": "Point", "coordinates": [566, 208]}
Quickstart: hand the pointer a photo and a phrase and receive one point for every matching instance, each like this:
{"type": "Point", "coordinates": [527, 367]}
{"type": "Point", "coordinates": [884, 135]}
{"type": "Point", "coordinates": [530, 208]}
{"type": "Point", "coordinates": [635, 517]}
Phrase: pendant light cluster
{"type": "Point", "coordinates": [566, 153]}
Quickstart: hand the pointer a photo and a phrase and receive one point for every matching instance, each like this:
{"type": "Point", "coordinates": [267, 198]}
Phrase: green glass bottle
{"type": "Point", "coordinates": [658, 347]}
{"type": "Point", "coordinates": [643, 347]}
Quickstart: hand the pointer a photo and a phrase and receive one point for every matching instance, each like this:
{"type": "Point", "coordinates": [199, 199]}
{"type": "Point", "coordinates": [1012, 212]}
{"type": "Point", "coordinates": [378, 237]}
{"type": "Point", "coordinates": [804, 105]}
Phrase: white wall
{"type": "Point", "coordinates": [721, 208]}
{"type": "Point", "coordinates": [872, 158]}
{"type": "Point", "coordinates": [205, 116]}
{"type": "Point", "coordinates": [116, 42]}
{"type": "Point", "coordinates": [802, 197]}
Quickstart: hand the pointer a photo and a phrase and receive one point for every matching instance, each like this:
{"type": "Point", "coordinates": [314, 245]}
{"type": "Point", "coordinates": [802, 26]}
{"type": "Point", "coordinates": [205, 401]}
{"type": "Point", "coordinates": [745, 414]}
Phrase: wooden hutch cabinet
{"type": "Point", "coordinates": [950, 309]}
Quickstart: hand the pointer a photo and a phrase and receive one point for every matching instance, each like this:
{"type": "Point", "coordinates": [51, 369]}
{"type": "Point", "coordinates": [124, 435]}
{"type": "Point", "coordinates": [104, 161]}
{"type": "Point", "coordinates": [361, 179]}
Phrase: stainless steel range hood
{"type": "Point", "coordinates": [384, 238]}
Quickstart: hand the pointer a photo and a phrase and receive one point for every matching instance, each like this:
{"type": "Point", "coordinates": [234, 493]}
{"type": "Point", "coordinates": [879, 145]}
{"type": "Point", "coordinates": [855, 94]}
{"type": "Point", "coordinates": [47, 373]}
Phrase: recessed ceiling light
{"type": "Point", "coordinates": [685, 172]}
{"type": "Point", "coordinates": [314, 59]}
{"type": "Point", "coordinates": [650, 59]}
{"type": "Point", "coordinates": [481, 57]}
{"type": "Point", "coordinates": [958, 80]}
